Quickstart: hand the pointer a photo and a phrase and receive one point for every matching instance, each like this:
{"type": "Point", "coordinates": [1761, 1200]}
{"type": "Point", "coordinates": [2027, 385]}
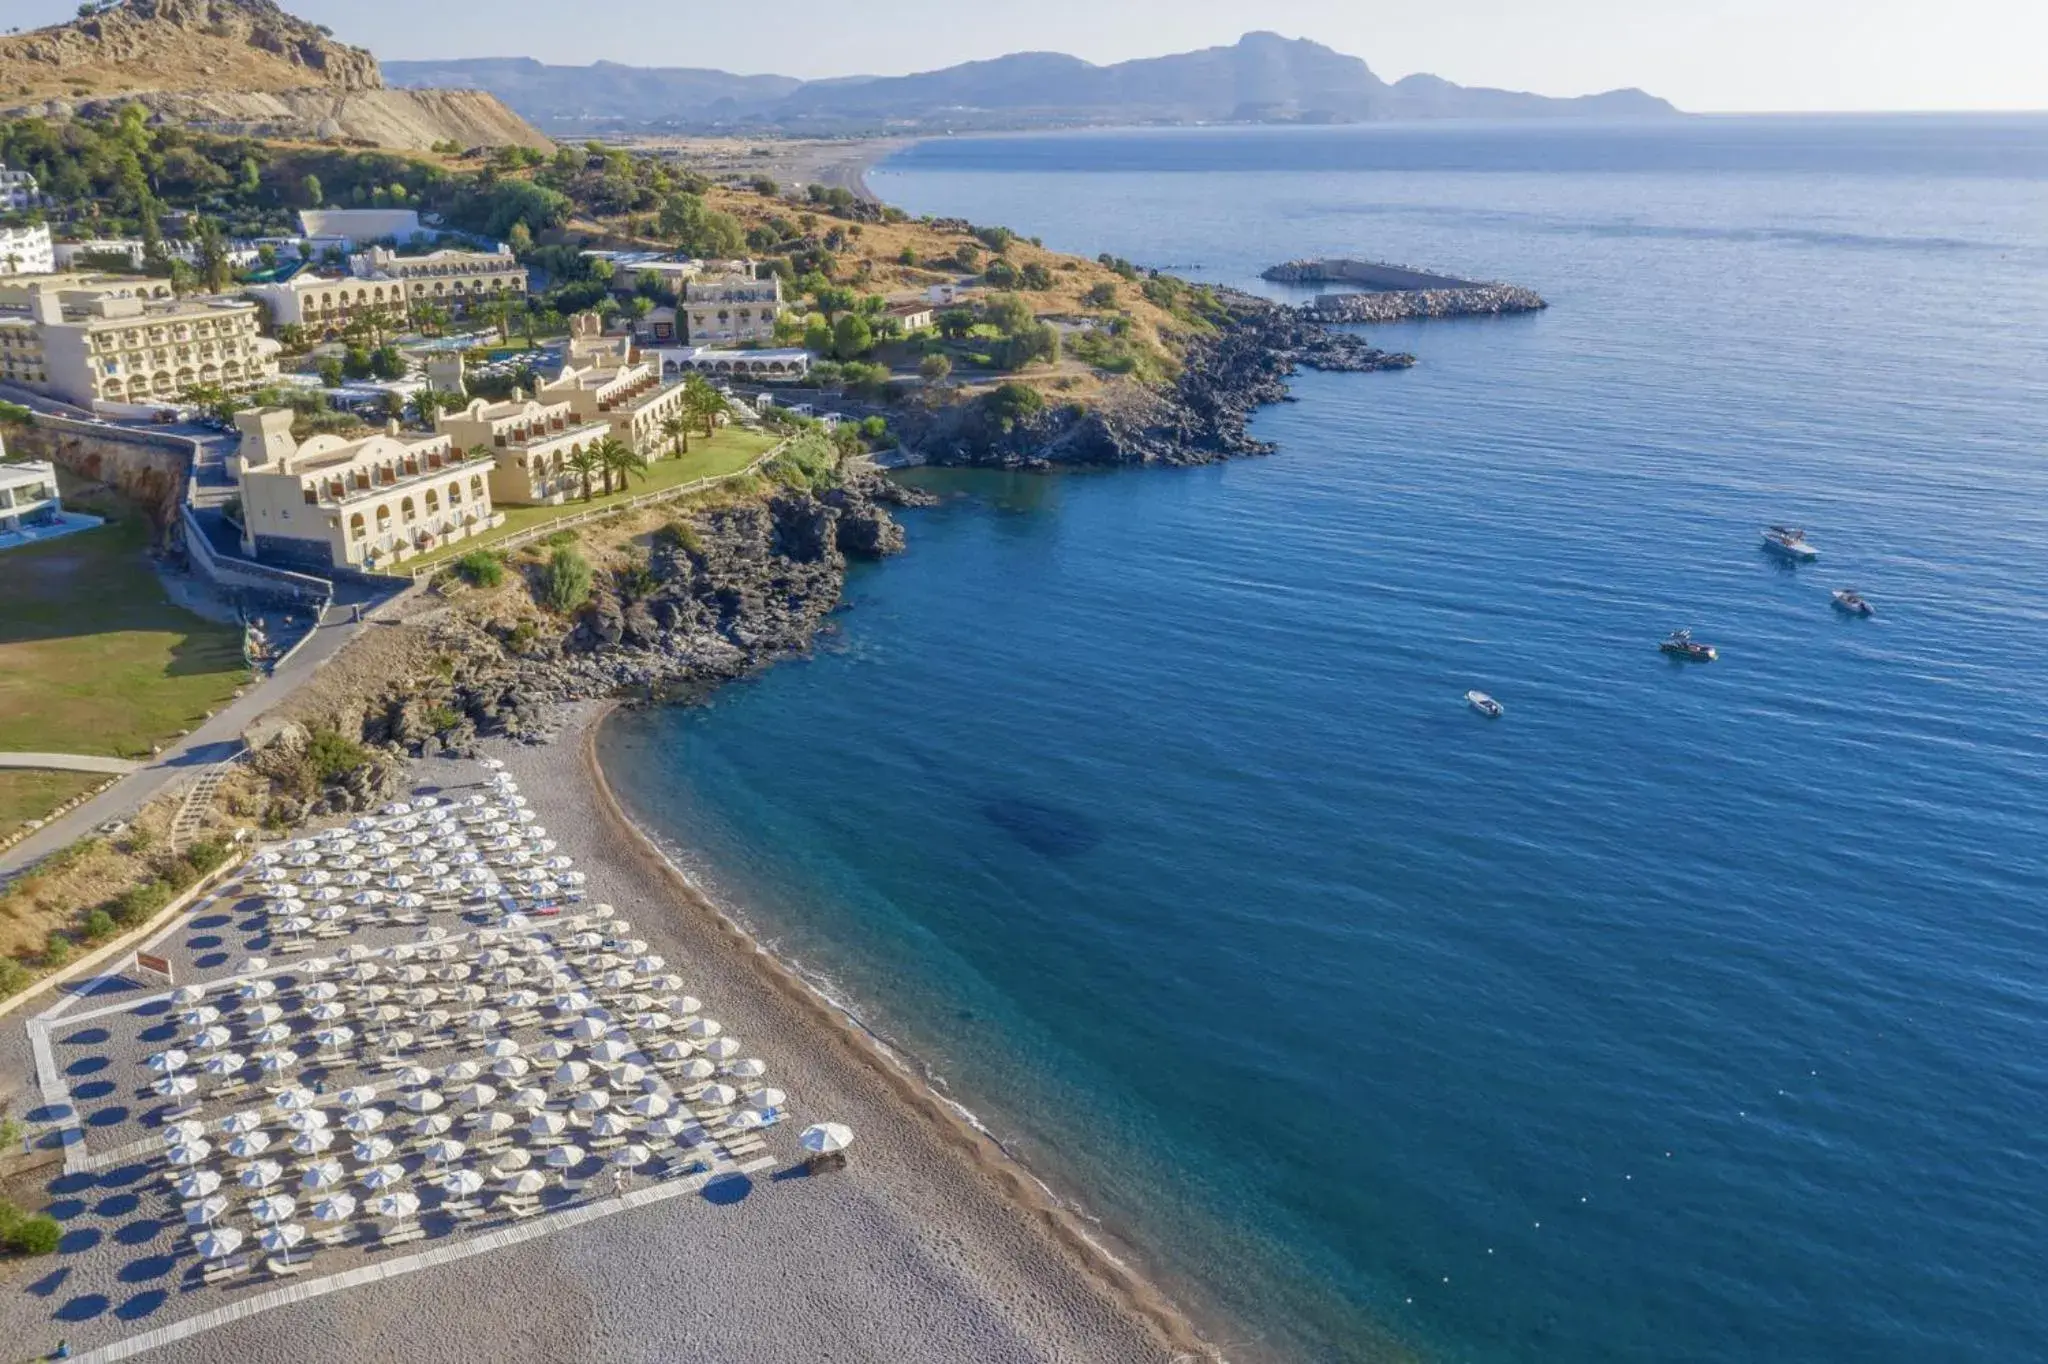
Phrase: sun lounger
{"type": "Point", "coordinates": [222, 1272]}
{"type": "Point", "coordinates": [279, 1269]}
{"type": "Point", "coordinates": [334, 1236]}
{"type": "Point", "coordinates": [398, 1236]}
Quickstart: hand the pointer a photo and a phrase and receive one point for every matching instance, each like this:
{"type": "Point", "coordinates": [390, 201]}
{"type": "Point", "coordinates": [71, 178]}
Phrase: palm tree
{"type": "Point", "coordinates": [586, 462]}
{"type": "Point", "coordinates": [677, 429]}
{"type": "Point", "coordinates": [704, 402]}
{"type": "Point", "coordinates": [617, 457]}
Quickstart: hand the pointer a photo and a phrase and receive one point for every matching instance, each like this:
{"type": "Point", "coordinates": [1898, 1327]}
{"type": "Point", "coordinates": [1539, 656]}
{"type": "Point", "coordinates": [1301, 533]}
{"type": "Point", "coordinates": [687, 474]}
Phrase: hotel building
{"type": "Point", "coordinates": [368, 503]}
{"type": "Point", "coordinates": [732, 309]}
{"type": "Point", "coordinates": [26, 250]}
{"type": "Point", "coordinates": [530, 442]}
{"type": "Point", "coordinates": [390, 285]}
{"type": "Point", "coordinates": [93, 342]}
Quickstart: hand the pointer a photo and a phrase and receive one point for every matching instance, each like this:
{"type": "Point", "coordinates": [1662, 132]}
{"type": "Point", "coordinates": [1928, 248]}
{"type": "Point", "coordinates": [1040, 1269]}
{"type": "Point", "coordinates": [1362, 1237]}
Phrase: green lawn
{"type": "Point", "coordinates": [93, 657]}
{"type": "Point", "coordinates": [27, 795]}
{"type": "Point", "coordinates": [731, 450]}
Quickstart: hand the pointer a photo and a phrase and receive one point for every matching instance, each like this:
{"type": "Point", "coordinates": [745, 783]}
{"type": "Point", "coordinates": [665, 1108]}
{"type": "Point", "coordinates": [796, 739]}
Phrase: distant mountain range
{"type": "Point", "coordinates": [1263, 78]}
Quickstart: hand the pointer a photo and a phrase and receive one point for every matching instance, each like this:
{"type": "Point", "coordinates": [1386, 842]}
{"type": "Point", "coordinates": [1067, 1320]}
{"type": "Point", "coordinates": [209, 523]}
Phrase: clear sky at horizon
{"type": "Point", "coordinates": [1704, 55]}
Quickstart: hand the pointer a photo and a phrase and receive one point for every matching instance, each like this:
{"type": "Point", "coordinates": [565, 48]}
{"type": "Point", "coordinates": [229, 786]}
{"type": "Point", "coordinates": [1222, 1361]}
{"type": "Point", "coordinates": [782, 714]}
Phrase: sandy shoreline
{"type": "Point", "coordinates": [932, 1247]}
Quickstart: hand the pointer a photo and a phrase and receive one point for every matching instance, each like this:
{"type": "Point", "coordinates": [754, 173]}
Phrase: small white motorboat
{"type": "Point", "coordinates": [1484, 704]}
{"type": "Point", "coordinates": [1790, 542]}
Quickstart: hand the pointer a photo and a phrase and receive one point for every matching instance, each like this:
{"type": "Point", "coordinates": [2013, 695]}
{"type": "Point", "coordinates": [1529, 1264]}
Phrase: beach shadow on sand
{"type": "Point", "coordinates": [727, 1190]}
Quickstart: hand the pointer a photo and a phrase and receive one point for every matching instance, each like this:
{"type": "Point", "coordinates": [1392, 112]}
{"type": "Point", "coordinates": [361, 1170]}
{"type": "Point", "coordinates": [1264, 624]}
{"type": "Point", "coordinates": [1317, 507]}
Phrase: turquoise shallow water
{"type": "Point", "coordinates": [1683, 1014]}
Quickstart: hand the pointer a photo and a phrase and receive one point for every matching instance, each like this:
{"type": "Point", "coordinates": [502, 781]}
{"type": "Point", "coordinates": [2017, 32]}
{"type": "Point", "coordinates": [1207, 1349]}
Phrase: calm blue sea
{"type": "Point", "coordinates": [1685, 1013]}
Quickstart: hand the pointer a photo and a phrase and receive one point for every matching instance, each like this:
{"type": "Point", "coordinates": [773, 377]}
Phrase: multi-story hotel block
{"type": "Point", "coordinates": [732, 309]}
{"type": "Point", "coordinates": [387, 284]}
{"type": "Point", "coordinates": [531, 443]}
{"type": "Point", "coordinates": [368, 503]}
{"type": "Point", "coordinates": [602, 382]}
{"type": "Point", "coordinates": [97, 341]}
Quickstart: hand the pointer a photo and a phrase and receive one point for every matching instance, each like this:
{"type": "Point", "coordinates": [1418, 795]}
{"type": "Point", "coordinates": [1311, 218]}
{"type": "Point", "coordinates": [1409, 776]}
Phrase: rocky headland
{"type": "Point", "coordinates": [1398, 293]}
{"type": "Point", "coordinates": [1201, 418]}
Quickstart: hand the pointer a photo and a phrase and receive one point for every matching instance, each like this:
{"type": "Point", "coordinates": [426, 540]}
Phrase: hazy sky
{"type": "Point", "coordinates": [1702, 54]}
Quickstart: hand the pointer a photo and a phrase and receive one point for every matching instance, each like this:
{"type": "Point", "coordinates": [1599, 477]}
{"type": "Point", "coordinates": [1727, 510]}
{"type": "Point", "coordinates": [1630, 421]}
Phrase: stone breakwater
{"type": "Point", "coordinates": [1478, 300]}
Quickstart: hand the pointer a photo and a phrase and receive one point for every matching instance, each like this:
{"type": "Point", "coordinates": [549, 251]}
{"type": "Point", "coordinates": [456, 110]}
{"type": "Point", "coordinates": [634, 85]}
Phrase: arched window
{"type": "Point", "coordinates": [356, 529]}
{"type": "Point", "coordinates": [383, 518]}
{"type": "Point", "coordinates": [455, 493]}
{"type": "Point", "coordinates": [476, 485]}
{"type": "Point", "coordinates": [405, 509]}
{"type": "Point", "coordinates": [433, 501]}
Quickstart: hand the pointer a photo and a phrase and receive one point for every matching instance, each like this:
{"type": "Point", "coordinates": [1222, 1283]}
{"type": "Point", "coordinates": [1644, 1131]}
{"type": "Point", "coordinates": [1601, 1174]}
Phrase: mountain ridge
{"type": "Point", "coordinates": [1264, 77]}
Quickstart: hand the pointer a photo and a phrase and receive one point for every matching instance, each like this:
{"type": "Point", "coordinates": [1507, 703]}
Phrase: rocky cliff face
{"type": "Point", "coordinates": [239, 67]}
{"type": "Point", "coordinates": [1202, 419]}
{"type": "Point", "coordinates": [748, 584]}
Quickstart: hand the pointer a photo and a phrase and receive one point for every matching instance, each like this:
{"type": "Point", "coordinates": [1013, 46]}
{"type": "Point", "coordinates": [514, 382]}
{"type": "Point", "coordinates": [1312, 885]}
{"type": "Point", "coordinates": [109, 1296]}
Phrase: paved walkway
{"type": "Point", "coordinates": [69, 762]}
{"type": "Point", "coordinates": [215, 741]}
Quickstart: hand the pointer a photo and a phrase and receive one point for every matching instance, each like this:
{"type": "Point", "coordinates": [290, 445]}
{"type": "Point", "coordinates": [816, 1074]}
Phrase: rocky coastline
{"type": "Point", "coordinates": [735, 587]}
{"type": "Point", "coordinates": [1479, 300]}
{"type": "Point", "coordinates": [1201, 419]}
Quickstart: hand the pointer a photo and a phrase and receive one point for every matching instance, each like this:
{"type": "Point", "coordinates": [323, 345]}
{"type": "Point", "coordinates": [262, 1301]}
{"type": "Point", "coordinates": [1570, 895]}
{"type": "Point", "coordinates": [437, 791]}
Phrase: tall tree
{"type": "Point", "coordinates": [676, 428]}
{"type": "Point", "coordinates": [704, 402]}
{"type": "Point", "coordinates": [619, 458]}
{"type": "Point", "coordinates": [584, 460]}
{"type": "Point", "coordinates": [213, 254]}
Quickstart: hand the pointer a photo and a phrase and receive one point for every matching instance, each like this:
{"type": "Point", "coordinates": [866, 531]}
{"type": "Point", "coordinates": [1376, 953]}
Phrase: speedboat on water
{"type": "Point", "coordinates": [1853, 603]}
{"type": "Point", "coordinates": [1484, 704]}
{"type": "Point", "coordinates": [1681, 644]}
{"type": "Point", "coordinates": [1790, 541]}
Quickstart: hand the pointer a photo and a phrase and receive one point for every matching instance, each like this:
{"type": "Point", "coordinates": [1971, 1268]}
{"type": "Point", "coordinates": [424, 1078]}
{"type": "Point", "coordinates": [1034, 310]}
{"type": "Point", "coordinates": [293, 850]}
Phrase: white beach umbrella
{"type": "Point", "coordinates": [628, 1076]}
{"type": "Point", "coordinates": [217, 1243]}
{"type": "Point", "coordinates": [415, 1077]}
{"type": "Point", "coordinates": [589, 1029]}
{"type": "Point", "coordinates": [547, 1125]}
{"type": "Point", "coordinates": [552, 1050]}
{"type": "Point", "coordinates": [336, 1207]}
{"type": "Point", "coordinates": [280, 1239]}
{"type": "Point", "coordinates": [373, 1150]}
{"type": "Point", "coordinates": [493, 1122]}
{"type": "Point", "coordinates": [422, 1101]}
{"type": "Point", "coordinates": [525, 1184]}
{"type": "Point", "coordinates": [648, 1105]}
{"type": "Point", "coordinates": [206, 1211]}
{"type": "Point", "coordinates": [682, 1005]}
{"type": "Point", "coordinates": [363, 1120]}
{"type": "Point", "coordinates": [461, 1183]}
{"type": "Point", "coordinates": [611, 1051]}
{"type": "Point", "coordinates": [571, 1073]}
{"type": "Point", "coordinates": [511, 1068]}
{"type": "Point", "coordinates": [357, 1096]}
{"type": "Point", "coordinates": [306, 1120]}
{"type": "Point", "coordinates": [445, 1151]}
{"type": "Point", "coordinates": [272, 1035]}
{"type": "Point", "coordinates": [396, 1206]}
{"type": "Point", "coordinates": [430, 1125]}
{"type": "Point", "coordinates": [335, 1038]}
{"type": "Point", "coordinates": [381, 1177]}
{"type": "Point", "coordinates": [721, 1048]}
{"type": "Point", "coordinates": [718, 1096]}
{"type": "Point", "coordinates": [746, 1120]}
{"type": "Point", "coordinates": [263, 1015]}
{"type": "Point", "coordinates": [665, 1128]}
{"type": "Point", "coordinates": [630, 1157]}
{"type": "Point", "coordinates": [826, 1137]}
{"type": "Point", "coordinates": [183, 1133]}
{"type": "Point", "coordinates": [528, 1099]}
{"type": "Point", "coordinates": [653, 1022]}
{"type": "Point", "coordinates": [767, 1100]}
{"type": "Point", "coordinates": [311, 1143]}
{"type": "Point", "coordinates": [197, 1183]}
{"type": "Point", "coordinates": [703, 1029]}
{"type": "Point", "coordinates": [460, 1072]}
{"type": "Point", "coordinates": [256, 991]}
{"type": "Point", "coordinates": [248, 1145]}
{"type": "Point", "coordinates": [245, 1121]}
{"type": "Point", "coordinates": [176, 1086]}
{"type": "Point", "coordinates": [276, 1062]}
{"type": "Point", "coordinates": [696, 1068]}
{"type": "Point", "coordinates": [168, 1062]}
{"type": "Point", "coordinates": [261, 1174]}
{"type": "Point", "coordinates": [675, 1050]}
{"type": "Point", "coordinates": [747, 1068]}
{"type": "Point", "coordinates": [477, 1096]}
{"type": "Point", "coordinates": [518, 1158]}
{"type": "Point", "coordinates": [211, 1039]}
{"type": "Point", "coordinates": [564, 1158]}
{"type": "Point", "coordinates": [591, 1101]}
{"type": "Point", "coordinates": [190, 1154]}
{"type": "Point", "coordinates": [325, 1174]}
{"type": "Point", "coordinates": [224, 1063]}
{"type": "Point", "coordinates": [273, 1208]}
{"type": "Point", "coordinates": [200, 1017]}
{"type": "Point", "coordinates": [294, 1100]}
{"type": "Point", "coordinates": [610, 1125]}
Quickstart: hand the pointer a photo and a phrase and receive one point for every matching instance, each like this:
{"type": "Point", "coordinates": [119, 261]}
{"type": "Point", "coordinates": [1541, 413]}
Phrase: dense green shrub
{"type": "Point", "coordinates": [99, 926]}
{"type": "Point", "coordinates": [135, 904]}
{"type": "Point", "coordinates": [678, 535]}
{"type": "Point", "coordinates": [809, 461]}
{"type": "Point", "coordinates": [332, 754]}
{"type": "Point", "coordinates": [14, 977]}
{"type": "Point", "coordinates": [36, 1235]}
{"type": "Point", "coordinates": [481, 568]}
{"type": "Point", "coordinates": [207, 854]}
{"type": "Point", "coordinates": [565, 582]}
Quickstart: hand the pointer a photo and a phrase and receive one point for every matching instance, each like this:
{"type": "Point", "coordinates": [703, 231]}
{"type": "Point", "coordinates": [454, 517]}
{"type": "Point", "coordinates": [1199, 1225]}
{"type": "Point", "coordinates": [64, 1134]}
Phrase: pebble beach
{"type": "Point", "coordinates": [929, 1245]}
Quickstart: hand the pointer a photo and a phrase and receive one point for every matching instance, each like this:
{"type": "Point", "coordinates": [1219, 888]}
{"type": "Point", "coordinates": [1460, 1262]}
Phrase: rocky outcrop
{"type": "Point", "coordinates": [1202, 418]}
{"type": "Point", "coordinates": [183, 45]}
{"type": "Point", "coordinates": [241, 68]}
{"type": "Point", "coordinates": [738, 587]}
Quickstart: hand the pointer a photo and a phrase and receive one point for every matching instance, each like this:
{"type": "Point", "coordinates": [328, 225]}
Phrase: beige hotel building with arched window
{"type": "Point", "coordinates": [389, 284]}
{"type": "Point", "coordinates": [368, 503]}
{"type": "Point", "coordinates": [531, 443]}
